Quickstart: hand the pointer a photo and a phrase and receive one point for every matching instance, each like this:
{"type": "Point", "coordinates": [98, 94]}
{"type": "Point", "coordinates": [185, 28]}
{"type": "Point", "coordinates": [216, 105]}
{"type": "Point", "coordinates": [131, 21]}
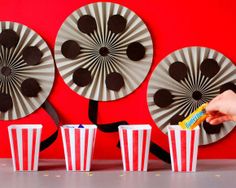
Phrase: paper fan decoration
{"type": "Point", "coordinates": [184, 80]}
{"type": "Point", "coordinates": [103, 51]}
{"type": "Point", "coordinates": [26, 71]}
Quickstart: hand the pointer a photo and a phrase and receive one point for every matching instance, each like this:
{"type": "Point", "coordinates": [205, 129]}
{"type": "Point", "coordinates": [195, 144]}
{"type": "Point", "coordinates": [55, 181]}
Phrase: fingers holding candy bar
{"type": "Point", "coordinates": [218, 119]}
{"type": "Point", "coordinates": [222, 108]}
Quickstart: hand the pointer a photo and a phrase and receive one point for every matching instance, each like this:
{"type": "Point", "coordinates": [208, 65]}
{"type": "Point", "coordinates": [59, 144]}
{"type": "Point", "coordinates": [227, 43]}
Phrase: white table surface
{"type": "Point", "coordinates": [109, 174]}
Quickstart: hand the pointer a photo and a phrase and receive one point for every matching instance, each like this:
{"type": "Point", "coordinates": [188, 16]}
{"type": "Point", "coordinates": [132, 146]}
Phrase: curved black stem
{"type": "Point", "coordinates": [113, 127]}
{"type": "Point", "coordinates": [53, 114]}
{"type": "Point", "coordinates": [108, 127]}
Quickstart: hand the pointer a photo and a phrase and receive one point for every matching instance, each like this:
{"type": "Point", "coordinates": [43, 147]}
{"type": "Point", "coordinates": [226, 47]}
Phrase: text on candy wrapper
{"type": "Point", "coordinates": [194, 119]}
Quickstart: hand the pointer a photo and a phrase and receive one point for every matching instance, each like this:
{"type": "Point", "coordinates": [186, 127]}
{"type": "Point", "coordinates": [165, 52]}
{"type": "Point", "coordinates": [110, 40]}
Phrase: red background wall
{"type": "Point", "coordinates": [173, 24]}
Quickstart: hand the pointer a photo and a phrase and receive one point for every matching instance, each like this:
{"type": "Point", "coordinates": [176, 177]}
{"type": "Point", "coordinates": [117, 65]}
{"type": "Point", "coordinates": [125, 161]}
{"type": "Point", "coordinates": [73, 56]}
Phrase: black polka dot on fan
{"type": "Point", "coordinates": [163, 98]}
{"type": "Point", "coordinates": [70, 49]}
{"type": "Point", "coordinates": [197, 95]}
{"type": "Point", "coordinates": [209, 68]}
{"type": "Point", "coordinates": [116, 24]}
{"type": "Point", "coordinates": [87, 24]}
{"type": "Point", "coordinates": [228, 86]}
{"type": "Point", "coordinates": [176, 119]}
{"type": "Point", "coordinates": [82, 77]}
{"type": "Point", "coordinates": [178, 71]}
{"type": "Point", "coordinates": [6, 71]}
{"type": "Point", "coordinates": [6, 102]}
{"type": "Point", "coordinates": [30, 87]}
{"type": "Point", "coordinates": [9, 38]}
{"type": "Point", "coordinates": [104, 51]}
{"type": "Point", "coordinates": [212, 129]}
{"type": "Point", "coordinates": [114, 81]}
{"type": "Point", "coordinates": [32, 55]}
{"type": "Point", "coordinates": [135, 51]}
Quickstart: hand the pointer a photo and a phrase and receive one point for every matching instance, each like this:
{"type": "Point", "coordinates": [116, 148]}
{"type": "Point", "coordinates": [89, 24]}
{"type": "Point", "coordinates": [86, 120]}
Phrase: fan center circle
{"type": "Point", "coordinates": [104, 51]}
{"type": "Point", "coordinates": [197, 95]}
{"type": "Point", "coordinates": [6, 71]}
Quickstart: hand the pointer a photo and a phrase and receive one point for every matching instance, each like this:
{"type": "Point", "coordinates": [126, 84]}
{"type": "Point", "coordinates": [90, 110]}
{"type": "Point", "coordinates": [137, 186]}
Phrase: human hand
{"type": "Point", "coordinates": [222, 108]}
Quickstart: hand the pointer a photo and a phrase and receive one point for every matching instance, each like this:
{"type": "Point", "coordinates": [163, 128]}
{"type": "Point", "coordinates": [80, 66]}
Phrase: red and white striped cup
{"type": "Point", "coordinates": [25, 144]}
{"type": "Point", "coordinates": [135, 145]}
{"type": "Point", "coordinates": [78, 146]}
{"type": "Point", "coordinates": [183, 148]}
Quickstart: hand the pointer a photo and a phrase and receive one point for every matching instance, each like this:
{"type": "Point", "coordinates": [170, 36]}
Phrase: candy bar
{"type": "Point", "coordinates": [195, 118]}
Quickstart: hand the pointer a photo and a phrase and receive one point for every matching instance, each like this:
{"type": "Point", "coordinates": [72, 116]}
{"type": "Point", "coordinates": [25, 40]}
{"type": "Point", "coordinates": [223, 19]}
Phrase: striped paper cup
{"type": "Point", "coordinates": [183, 148]}
{"type": "Point", "coordinates": [78, 146]}
{"type": "Point", "coordinates": [135, 145]}
{"type": "Point", "coordinates": [25, 144]}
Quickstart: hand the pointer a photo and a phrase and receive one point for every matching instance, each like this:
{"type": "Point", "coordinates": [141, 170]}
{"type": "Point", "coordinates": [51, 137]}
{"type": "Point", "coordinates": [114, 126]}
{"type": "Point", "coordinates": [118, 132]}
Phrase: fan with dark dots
{"type": "Point", "coordinates": [183, 81]}
{"type": "Point", "coordinates": [103, 51]}
{"type": "Point", "coordinates": [26, 71]}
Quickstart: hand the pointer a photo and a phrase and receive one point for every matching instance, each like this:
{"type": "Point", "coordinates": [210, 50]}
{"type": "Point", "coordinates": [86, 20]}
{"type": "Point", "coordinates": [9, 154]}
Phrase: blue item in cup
{"type": "Point", "coordinates": [75, 126]}
{"type": "Point", "coordinates": [80, 126]}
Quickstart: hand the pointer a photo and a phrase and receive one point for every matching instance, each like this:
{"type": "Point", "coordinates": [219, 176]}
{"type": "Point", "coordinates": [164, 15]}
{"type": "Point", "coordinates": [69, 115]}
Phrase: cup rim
{"type": "Point", "coordinates": [25, 126]}
{"type": "Point", "coordinates": [75, 126]}
{"type": "Point", "coordinates": [177, 127]}
{"type": "Point", "coordinates": [135, 127]}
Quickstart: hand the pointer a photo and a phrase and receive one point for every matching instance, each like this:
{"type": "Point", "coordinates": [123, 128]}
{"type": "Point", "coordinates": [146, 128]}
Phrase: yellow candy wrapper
{"type": "Point", "coordinates": [195, 118]}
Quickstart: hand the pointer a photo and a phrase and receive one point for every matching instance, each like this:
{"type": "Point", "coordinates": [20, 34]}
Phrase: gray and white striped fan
{"type": "Point", "coordinates": [103, 51]}
{"type": "Point", "coordinates": [26, 71]}
{"type": "Point", "coordinates": [184, 80]}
